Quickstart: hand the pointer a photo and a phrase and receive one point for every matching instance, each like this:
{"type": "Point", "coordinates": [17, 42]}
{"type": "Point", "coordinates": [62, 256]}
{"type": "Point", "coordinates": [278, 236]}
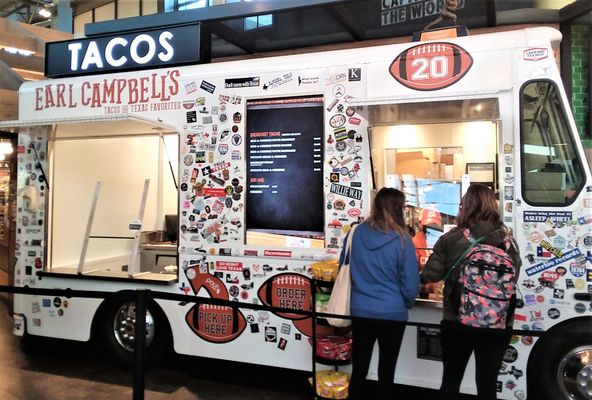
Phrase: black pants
{"type": "Point", "coordinates": [365, 332]}
{"type": "Point", "coordinates": [458, 342]}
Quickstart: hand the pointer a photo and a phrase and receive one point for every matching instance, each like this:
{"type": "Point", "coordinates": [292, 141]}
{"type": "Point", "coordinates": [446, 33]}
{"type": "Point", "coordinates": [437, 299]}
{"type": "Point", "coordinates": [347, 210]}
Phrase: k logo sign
{"type": "Point", "coordinates": [431, 66]}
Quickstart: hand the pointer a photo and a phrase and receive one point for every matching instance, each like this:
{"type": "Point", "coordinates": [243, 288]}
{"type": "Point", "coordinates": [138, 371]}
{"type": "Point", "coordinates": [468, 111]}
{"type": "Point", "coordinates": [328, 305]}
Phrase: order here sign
{"type": "Point", "coordinates": [137, 50]}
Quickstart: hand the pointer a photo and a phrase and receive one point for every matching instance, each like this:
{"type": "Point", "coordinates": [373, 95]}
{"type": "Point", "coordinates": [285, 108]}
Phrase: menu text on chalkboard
{"type": "Point", "coordinates": [284, 147]}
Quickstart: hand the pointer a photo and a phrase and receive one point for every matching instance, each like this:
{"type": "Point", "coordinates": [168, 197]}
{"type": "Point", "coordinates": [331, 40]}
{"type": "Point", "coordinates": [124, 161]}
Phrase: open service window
{"type": "Point", "coordinates": [425, 150]}
{"type": "Point", "coordinates": [112, 185]}
{"type": "Point", "coordinates": [284, 202]}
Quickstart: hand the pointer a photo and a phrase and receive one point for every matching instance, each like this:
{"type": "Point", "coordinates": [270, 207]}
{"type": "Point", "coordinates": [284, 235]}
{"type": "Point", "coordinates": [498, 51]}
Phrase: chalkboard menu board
{"type": "Point", "coordinates": [284, 149]}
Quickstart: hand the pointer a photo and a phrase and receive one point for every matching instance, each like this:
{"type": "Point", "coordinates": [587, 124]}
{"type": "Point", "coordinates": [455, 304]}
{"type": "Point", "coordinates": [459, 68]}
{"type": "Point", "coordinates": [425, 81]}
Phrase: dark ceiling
{"type": "Point", "coordinates": [303, 23]}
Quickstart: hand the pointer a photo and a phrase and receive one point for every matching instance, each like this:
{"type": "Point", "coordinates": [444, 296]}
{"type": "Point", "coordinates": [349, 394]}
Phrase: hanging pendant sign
{"type": "Point", "coordinates": [179, 45]}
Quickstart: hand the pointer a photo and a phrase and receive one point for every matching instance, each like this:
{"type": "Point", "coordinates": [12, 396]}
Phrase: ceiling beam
{"type": "Point", "coordinates": [206, 14]}
{"type": "Point", "coordinates": [30, 63]}
{"type": "Point", "coordinates": [575, 9]}
{"type": "Point", "coordinates": [346, 20]}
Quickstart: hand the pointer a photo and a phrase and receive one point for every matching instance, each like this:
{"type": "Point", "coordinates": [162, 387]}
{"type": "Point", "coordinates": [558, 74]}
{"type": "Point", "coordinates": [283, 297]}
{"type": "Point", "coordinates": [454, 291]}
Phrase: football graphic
{"type": "Point", "coordinates": [216, 324]}
{"type": "Point", "coordinates": [431, 66]}
{"type": "Point", "coordinates": [287, 290]}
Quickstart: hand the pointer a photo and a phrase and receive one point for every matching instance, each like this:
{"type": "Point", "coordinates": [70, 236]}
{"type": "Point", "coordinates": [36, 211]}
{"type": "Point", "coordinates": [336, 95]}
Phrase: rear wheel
{"type": "Point", "coordinates": [561, 366]}
{"type": "Point", "coordinates": [117, 330]}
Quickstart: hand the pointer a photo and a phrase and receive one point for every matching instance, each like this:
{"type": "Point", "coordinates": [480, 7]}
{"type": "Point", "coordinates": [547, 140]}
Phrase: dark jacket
{"type": "Point", "coordinates": [451, 247]}
{"type": "Point", "coordinates": [384, 274]}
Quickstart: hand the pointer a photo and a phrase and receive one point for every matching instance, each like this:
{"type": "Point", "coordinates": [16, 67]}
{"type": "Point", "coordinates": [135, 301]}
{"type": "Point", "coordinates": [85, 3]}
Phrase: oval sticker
{"type": "Point", "coordinates": [431, 66]}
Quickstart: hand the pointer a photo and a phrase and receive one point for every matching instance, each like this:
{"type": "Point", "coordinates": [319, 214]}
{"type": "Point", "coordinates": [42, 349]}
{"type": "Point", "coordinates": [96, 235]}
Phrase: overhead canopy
{"type": "Point", "coordinates": [94, 126]}
{"type": "Point", "coordinates": [247, 27]}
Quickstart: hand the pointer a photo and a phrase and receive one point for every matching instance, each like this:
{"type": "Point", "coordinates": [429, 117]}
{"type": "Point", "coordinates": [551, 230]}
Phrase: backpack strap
{"type": "Point", "coordinates": [474, 242]}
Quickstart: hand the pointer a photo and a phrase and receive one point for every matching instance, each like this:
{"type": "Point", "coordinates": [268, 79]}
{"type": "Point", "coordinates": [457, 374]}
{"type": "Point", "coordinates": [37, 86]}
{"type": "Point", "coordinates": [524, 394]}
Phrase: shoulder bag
{"type": "Point", "coordinates": [340, 296]}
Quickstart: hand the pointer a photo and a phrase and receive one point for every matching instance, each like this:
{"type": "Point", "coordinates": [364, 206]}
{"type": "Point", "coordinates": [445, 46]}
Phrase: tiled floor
{"type": "Point", "coordinates": [49, 369]}
{"type": "Point", "coordinates": [60, 370]}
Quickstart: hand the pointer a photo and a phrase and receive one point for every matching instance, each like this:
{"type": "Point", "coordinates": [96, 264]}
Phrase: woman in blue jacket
{"type": "Point", "coordinates": [385, 282]}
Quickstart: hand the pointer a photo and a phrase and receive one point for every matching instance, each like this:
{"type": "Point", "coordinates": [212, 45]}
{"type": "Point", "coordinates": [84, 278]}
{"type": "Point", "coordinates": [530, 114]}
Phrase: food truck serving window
{"type": "Point", "coordinates": [551, 169]}
{"type": "Point", "coordinates": [285, 172]}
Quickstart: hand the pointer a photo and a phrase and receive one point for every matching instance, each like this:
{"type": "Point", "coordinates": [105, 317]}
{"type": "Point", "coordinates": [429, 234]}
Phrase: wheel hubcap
{"type": "Point", "coordinates": [124, 326]}
{"type": "Point", "coordinates": [574, 374]}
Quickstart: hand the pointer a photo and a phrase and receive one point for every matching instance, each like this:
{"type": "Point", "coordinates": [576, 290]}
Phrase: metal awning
{"type": "Point", "coordinates": [94, 126]}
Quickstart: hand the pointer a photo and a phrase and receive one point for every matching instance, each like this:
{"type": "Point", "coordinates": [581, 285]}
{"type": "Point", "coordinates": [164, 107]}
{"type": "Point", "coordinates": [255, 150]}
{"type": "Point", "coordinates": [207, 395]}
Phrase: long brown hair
{"type": "Point", "coordinates": [478, 204]}
{"type": "Point", "coordinates": [387, 211]}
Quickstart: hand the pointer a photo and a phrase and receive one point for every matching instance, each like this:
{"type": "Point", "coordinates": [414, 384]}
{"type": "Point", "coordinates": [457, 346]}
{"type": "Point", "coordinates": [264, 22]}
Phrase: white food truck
{"type": "Point", "coordinates": [229, 180]}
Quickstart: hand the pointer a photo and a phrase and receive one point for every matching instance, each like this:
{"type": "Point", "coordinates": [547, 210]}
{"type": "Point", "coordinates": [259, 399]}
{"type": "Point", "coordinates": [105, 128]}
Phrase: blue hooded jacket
{"type": "Point", "coordinates": [384, 274]}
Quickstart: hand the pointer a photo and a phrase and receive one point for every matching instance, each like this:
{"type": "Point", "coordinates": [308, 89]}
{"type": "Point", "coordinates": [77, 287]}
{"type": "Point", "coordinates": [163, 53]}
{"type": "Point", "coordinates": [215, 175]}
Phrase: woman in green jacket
{"type": "Point", "coordinates": [479, 214]}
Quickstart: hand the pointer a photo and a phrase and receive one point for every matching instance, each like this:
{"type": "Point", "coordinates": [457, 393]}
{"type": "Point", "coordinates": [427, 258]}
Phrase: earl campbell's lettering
{"type": "Point", "coordinates": [157, 87]}
{"type": "Point", "coordinates": [93, 57]}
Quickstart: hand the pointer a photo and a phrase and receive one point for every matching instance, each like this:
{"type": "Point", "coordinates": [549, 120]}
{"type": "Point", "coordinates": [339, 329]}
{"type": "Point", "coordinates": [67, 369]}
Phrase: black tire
{"type": "Point", "coordinates": [560, 367]}
{"type": "Point", "coordinates": [115, 330]}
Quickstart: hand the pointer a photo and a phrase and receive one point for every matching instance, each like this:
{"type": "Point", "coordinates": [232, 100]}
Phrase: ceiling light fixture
{"type": "Point", "coordinates": [14, 50]}
{"type": "Point", "coordinates": [44, 12]}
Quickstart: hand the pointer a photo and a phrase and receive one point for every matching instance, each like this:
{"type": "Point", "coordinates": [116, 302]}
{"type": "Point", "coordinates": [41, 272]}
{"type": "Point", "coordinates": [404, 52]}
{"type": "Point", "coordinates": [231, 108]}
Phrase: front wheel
{"type": "Point", "coordinates": [561, 366]}
{"type": "Point", "coordinates": [117, 330]}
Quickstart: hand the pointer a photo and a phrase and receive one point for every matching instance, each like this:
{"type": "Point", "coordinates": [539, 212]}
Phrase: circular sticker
{"type": "Point", "coordinates": [191, 273]}
{"type": "Point", "coordinates": [350, 112]}
{"type": "Point", "coordinates": [184, 187]}
{"type": "Point", "coordinates": [535, 237]}
{"type": "Point", "coordinates": [341, 146]}
{"type": "Point", "coordinates": [339, 205]}
{"type": "Point", "coordinates": [338, 90]}
{"type": "Point", "coordinates": [188, 160]}
{"type": "Point", "coordinates": [580, 308]}
{"type": "Point", "coordinates": [337, 121]}
{"type": "Point", "coordinates": [223, 117]}
{"type": "Point", "coordinates": [553, 313]}
{"type": "Point", "coordinates": [237, 139]}
{"type": "Point", "coordinates": [233, 290]}
{"type": "Point", "coordinates": [57, 302]}
{"type": "Point", "coordinates": [587, 241]}
{"type": "Point", "coordinates": [527, 340]}
{"type": "Point", "coordinates": [511, 355]}
{"type": "Point", "coordinates": [538, 326]}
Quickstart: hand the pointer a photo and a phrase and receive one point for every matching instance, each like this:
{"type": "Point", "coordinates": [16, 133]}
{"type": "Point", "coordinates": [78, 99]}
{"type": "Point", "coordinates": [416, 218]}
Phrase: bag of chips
{"type": "Point", "coordinates": [332, 384]}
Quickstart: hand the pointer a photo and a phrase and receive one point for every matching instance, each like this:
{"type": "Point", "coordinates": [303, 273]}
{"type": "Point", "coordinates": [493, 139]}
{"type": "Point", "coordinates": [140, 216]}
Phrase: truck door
{"type": "Point", "coordinates": [553, 213]}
